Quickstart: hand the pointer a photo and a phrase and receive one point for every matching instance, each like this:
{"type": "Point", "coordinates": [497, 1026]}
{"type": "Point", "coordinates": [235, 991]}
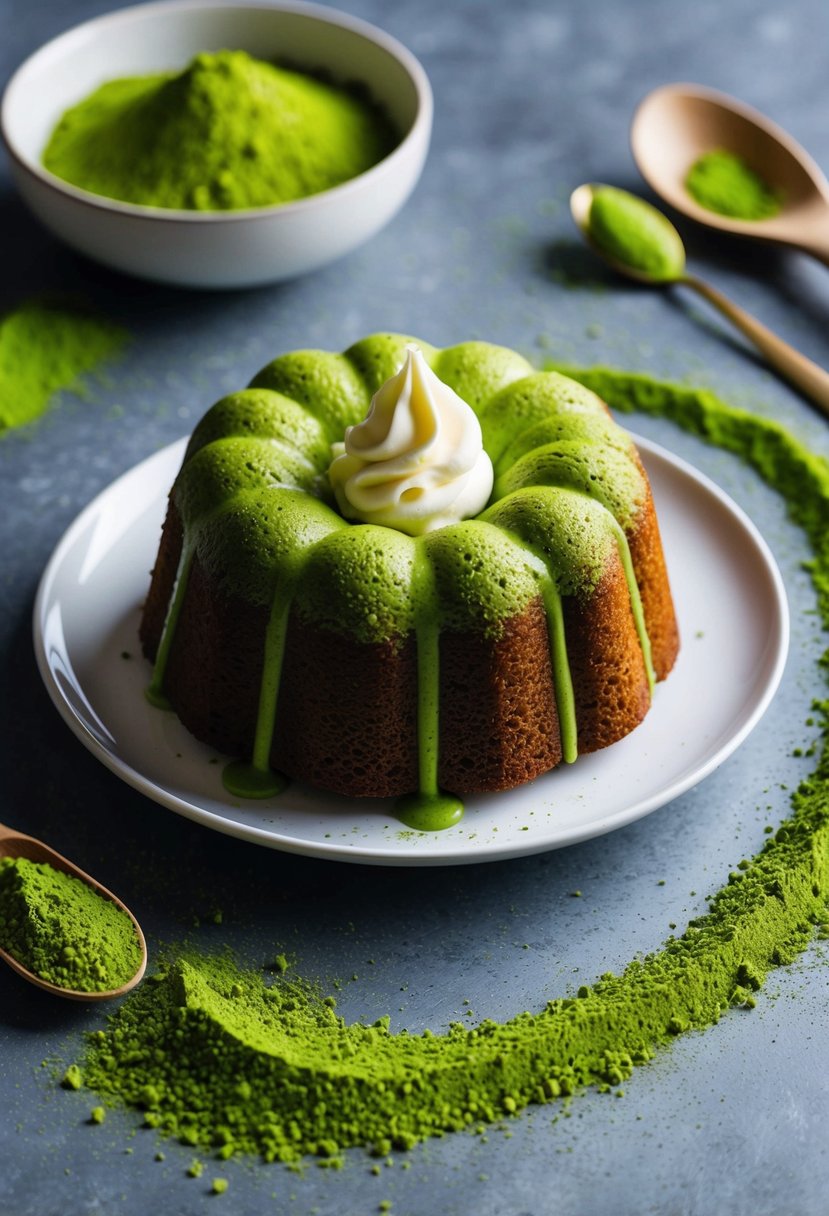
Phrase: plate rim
{"type": "Point", "coordinates": [373, 855]}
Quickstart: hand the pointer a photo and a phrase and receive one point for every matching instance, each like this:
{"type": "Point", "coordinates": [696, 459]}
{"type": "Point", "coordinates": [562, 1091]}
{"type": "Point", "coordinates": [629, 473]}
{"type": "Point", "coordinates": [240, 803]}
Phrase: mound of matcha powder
{"type": "Point", "coordinates": [226, 1060]}
{"type": "Point", "coordinates": [61, 929]}
{"type": "Point", "coordinates": [228, 132]}
{"type": "Point", "coordinates": [45, 347]}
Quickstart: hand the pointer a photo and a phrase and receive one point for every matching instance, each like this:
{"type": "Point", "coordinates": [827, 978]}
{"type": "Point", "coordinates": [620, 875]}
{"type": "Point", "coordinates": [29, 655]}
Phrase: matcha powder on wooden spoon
{"type": "Point", "coordinates": [724, 183]}
{"type": "Point", "coordinates": [228, 132]}
{"type": "Point", "coordinates": [62, 930]}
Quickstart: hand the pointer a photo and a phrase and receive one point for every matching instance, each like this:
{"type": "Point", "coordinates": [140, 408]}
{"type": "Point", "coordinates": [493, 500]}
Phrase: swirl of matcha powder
{"type": "Point", "coordinates": [226, 1060]}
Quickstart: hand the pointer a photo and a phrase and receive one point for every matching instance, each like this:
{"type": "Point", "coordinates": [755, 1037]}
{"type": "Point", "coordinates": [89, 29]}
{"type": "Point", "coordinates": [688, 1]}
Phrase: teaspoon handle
{"type": "Point", "coordinates": [805, 375]}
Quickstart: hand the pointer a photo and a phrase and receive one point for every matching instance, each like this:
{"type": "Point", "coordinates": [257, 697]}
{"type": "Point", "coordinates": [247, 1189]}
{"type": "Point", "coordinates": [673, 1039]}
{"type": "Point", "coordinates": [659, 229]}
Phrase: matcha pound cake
{"type": "Point", "coordinates": [404, 571]}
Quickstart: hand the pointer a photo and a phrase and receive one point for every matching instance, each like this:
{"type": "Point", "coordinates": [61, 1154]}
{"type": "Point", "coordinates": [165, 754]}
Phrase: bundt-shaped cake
{"type": "Point", "coordinates": [370, 659]}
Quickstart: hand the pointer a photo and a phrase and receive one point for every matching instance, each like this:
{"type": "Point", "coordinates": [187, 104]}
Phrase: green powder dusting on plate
{"type": "Point", "coordinates": [225, 1059]}
{"type": "Point", "coordinates": [44, 348]}
{"type": "Point", "coordinates": [58, 927]}
{"type": "Point", "coordinates": [631, 231]}
{"type": "Point", "coordinates": [228, 132]}
{"type": "Point", "coordinates": [722, 182]}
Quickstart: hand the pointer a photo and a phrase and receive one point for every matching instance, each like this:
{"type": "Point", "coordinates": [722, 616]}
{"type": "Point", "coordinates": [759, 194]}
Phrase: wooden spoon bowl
{"type": "Point", "coordinates": [16, 844]}
{"type": "Point", "coordinates": [677, 123]}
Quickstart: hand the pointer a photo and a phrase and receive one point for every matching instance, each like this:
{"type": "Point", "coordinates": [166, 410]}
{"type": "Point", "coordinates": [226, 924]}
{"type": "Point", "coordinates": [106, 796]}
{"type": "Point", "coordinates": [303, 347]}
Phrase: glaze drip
{"type": "Point", "coordinates": [155, 689]}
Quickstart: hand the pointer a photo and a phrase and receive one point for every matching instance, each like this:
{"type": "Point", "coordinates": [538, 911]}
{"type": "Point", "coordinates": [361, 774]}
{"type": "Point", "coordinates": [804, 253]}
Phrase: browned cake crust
{"type": "Point", "coordinates": [347, 713]}
{"type": "Point", "coordinates": [648, 560]}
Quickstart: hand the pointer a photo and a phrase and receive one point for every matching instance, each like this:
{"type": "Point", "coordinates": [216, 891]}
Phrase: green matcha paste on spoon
{"type": "Point", "coordinates": [220, 1058]}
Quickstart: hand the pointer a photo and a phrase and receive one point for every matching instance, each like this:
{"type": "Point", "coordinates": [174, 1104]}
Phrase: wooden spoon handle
{"type": "Point", "coordinates": [805, 375]}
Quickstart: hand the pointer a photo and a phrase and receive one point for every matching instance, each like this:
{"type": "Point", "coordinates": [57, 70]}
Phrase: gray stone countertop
{"type": "Point", "coordinates": [531, 99]}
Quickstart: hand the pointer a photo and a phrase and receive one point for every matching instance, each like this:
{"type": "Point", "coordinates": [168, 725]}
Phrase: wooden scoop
{"type": "Point", "coordinates": [678, 123]}
{"type": "Point", "coordinates": [15, 844]}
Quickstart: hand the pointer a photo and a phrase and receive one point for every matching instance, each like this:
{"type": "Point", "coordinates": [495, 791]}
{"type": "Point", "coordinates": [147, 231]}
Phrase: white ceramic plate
{"type": "Point", "coordinates": [734, 625]}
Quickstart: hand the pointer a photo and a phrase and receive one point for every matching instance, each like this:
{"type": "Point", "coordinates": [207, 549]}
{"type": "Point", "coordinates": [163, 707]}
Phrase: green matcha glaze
{"type": "Point", "coordinates": [262, 414]}
{"type": "Point", "coordinates": [585, 429]}
{"type": "Point", "coordinates": [228, 468]}
{"type": "Point", "coordinates": [573, 535]}
{"type": "Point", "coordinates": [533, 399]}
{"type": "Point", "coordinates": [360, 580]}
{"type": "Point", "coordinates": [228, 132]}
{"type": "Point", "coordinates": [722, 182]}
{"type": "Point", "coordinates": [155, 689]}
{"type": "Point", "coordinates": [631, 231]}
{"type": "Point", "coordinates": [609, 475]}
{"type": "Point", "coordinates": [482, 577]}
{"type": "Point", "coordinates": [379, 357]}
{"type": "Point", "coordinates": [428, 812]}
{"type": "Point", "coordinates": [329, 385]}
{"type": "Point", "coordinates": [254, 503]}
{"type": "Point", "coordinates": [62, 930]}
{"type": "Point", "coordinates": [216, 1056]}
{"type": "Point", "coordinates": [478, 370]}
{"type": "Point", "coordinates": [256, 540]}
{"type": "Point", "coordinates": [245, 779]}
{"type": "Point", "coordinates": [427, 806]}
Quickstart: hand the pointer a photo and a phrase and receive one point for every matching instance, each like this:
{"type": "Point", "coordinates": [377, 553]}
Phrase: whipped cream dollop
{"type": "Point", "coordinates": [417, 461]}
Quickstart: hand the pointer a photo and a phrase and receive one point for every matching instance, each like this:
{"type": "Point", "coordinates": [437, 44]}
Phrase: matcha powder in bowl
{"type": "Point", "coordinates": [229, 132]}
{"type": "Point", "coordinates": [231, 145]}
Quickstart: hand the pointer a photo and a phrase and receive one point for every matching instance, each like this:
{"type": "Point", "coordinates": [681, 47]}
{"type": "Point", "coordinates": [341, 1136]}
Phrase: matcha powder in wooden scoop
{"type": "Point", "coordinates": [62, 930]}
{"type": "Point", "coordinates": [228, 132]}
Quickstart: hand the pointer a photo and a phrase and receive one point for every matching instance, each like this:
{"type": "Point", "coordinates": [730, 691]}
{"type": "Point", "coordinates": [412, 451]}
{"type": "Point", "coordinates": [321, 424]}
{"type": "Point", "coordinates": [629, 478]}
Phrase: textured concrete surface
{"type": "Point", "coordinates": [530, 100]}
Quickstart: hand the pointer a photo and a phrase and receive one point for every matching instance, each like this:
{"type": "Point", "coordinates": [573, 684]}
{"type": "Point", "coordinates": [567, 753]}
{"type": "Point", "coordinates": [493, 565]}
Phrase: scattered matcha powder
{"type": "Point", "coordinates": [57, 926]}
{"type": "Point", "coordinates": [221, 1060]}
{"type": "Point", "coordinates": [46, 347]}
{"type": "Point", "coordinates": [72, 1078]}
{"type": "Point", "coordinates": [722, 182]}
{"type": "Point", "coordinates": [227, 132]}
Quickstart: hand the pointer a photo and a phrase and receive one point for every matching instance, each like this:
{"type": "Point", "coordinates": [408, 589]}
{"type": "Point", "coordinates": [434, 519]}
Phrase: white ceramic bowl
{"type": "Point", "coordinates": [217, 249]}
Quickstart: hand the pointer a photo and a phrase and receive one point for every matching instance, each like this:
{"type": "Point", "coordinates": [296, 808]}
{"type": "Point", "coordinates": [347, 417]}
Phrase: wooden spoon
{"type": "Point", "coordinates": [678, 123]}
{"type": "Point", "coordinates": [15, 844]}
{"type": "Point", "coordinates": [805, 375]}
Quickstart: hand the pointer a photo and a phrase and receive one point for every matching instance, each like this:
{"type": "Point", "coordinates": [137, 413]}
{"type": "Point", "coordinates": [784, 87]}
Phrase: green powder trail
{"type": "Point", "coordinates": [227, 132]}
{"type": "Point", "coordinates": [44, 348]}
{"type": "Point", "coordinates": [62, 930]}
{"type": "Point", "coordinates": [724, 183]}
{"type": "Point", "coordinates": [222, 1059]}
